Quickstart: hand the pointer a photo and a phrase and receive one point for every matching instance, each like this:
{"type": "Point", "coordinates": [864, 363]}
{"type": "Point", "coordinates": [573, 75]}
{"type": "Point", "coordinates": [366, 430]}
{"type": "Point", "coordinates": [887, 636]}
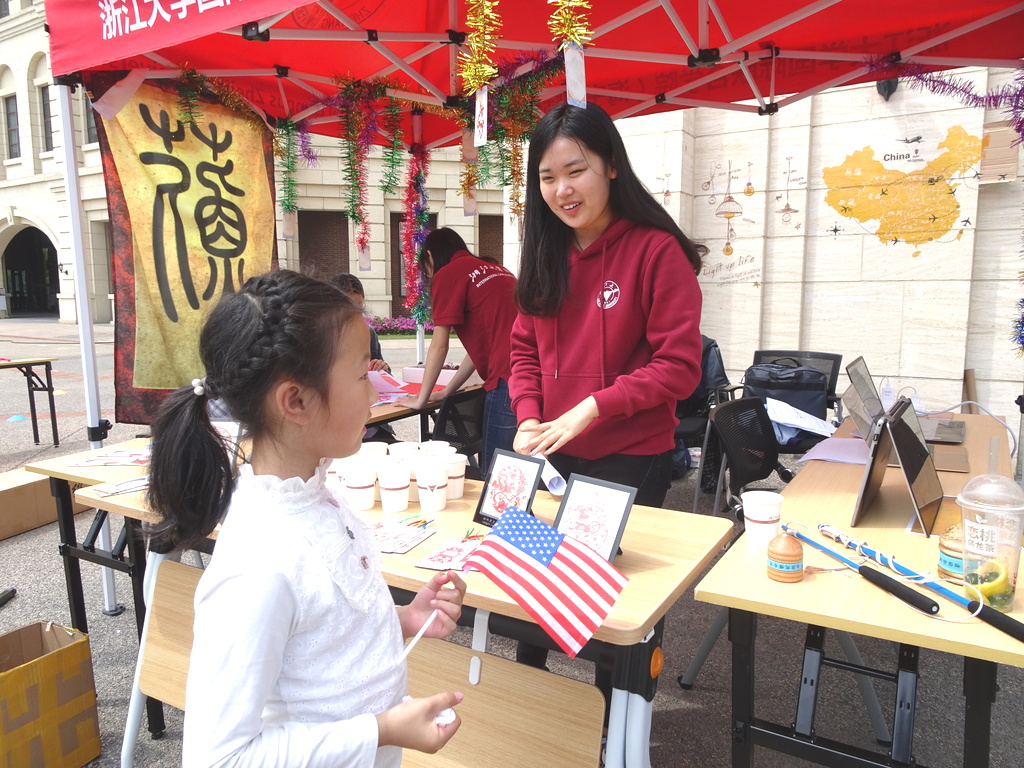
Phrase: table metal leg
{"type": "Point", "coordinates": [27, 370]}
{"type": "Point", "coordinates": [61, 491]}
{"type": "Point", "coordinates": [615, 745]}
{"type": "Point", "coordinates": [53, 409]}
{"type": "Point", "coordinates": [742, 628]}
{"type": "Point", "coordinates": [980, 688]}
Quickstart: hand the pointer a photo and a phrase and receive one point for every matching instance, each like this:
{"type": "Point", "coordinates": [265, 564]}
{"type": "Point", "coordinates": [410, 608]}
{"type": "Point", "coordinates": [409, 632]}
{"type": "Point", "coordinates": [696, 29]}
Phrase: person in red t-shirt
{"type": "Point", "coordinates": [473, 297]}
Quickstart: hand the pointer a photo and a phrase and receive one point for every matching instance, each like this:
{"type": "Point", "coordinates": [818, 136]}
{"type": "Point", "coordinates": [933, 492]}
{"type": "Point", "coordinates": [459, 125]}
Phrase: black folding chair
{"type": "Point", "coordinates": [459, 420]}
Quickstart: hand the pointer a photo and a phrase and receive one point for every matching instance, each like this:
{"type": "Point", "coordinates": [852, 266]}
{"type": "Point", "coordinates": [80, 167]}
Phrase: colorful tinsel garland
{"type": "Point", "coordinates": [568, 22]}
{"type": "Point", "coordinates": [512, 106]}
{"type": "Point", "coordinates": [475, 67]}
{"type": "Point", "coordinates": [286, 151]}
{"type": "Point", "coordinates": [414, 231]}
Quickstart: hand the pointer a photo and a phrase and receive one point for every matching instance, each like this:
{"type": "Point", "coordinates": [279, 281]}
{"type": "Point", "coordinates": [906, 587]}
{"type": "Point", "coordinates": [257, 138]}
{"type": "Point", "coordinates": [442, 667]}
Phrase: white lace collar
{"type": "Point", "coordinates": [294, 491]}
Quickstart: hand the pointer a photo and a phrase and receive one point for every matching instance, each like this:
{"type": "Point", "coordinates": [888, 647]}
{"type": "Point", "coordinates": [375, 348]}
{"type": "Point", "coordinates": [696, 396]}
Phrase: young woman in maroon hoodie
{"type": "Point", "coordinates": [607, 339]}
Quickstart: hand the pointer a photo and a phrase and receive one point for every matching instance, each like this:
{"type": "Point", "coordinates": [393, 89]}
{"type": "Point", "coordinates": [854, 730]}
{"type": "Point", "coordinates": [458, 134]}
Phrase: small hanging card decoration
{"type": "Point", "coordinates": [594, 512]}
{"type": "Point", "coordinates": [511, 482]}
{"type": "Point", "coordinates": [565, 586]}
{"type": "Point", "coordinates": [480, 121]}
{"type": "Point", "coordinates": [569, 28]}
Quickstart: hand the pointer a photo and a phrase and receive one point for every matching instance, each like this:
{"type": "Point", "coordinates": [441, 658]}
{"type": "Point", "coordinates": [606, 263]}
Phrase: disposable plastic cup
{"type": "Point", "coordinates": [432, 483]}
{"type": "Point", "coordinates": [762, 511]}
{"type": "Point", "coordinates": [992, 510]}
{"type": "Point", "coordinates": [393, 481]}
{"type": "Point", "coordinates": [360, 478]}
{"type": "Point", "coordinates": [456, 475]}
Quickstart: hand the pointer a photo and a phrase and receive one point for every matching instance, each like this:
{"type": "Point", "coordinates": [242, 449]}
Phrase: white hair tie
{"type": "Point", "coordinates": [199, 387]}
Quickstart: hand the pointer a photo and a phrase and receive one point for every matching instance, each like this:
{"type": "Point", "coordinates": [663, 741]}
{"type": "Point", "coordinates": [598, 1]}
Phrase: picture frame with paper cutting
{"type": "Point", "coordinates": [594, 513]}
{"type": "Point", "coordinates": [511, 482]}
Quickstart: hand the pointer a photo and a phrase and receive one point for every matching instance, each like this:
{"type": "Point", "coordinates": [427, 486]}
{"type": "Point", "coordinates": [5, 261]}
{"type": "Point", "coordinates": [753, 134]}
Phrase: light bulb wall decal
{"type": "Point", "coordinates": [749, 189]}
{"type": "Point", "coordinates": [728, 210]}
{"type": "Point", "coordinates": [787, 210]}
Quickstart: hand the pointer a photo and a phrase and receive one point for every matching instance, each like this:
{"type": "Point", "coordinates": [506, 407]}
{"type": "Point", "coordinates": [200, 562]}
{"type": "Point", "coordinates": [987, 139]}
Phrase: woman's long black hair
{"type": "Point", "coordinates": [279, 325]}
{"type": "Point", "coordinates": [440, 246]}
{"type": "Point", "coordinates": [544, 263]}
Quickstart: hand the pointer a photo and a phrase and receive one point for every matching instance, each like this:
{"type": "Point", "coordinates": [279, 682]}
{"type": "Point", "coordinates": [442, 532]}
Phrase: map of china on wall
{"type": "Point", "coordinates": [917, 206]}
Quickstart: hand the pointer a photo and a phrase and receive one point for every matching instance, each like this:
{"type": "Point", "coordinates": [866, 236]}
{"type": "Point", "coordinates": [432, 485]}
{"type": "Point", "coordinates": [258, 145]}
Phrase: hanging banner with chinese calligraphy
{"type": "Point", "coordinates": [192, 217]}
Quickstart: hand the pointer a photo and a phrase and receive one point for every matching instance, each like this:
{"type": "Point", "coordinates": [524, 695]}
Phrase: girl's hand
{"type": "Point", "coordinates": [412, 401]}
{"type": "Point", "coordinates": [524, 434]}
{"type": "Point", "coordinates": [548, 437]}
{"type": "Point", "coordinates": [378, 365]}
{"type": "Point", "coordinates": [448, 602]}
{"type": "Point", "coordinates": [411, 724]}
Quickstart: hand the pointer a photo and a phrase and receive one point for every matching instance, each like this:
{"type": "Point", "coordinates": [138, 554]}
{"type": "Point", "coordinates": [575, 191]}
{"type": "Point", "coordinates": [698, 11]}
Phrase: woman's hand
{"type": "Point", "coordinates": [540, 439]}
{"type": "Point", "coordinates": [524, 434]}
{"type": "Point", "coordinates": [447, 601]}
{"type": "Point", "coordinates": [411, 724]}
{"type": "Point", "coordinates": [415, 402]}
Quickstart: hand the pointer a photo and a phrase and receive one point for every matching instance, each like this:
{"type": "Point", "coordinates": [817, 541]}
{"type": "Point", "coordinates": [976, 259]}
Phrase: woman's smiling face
{"type": "Point", "coordinates": [576, 185]}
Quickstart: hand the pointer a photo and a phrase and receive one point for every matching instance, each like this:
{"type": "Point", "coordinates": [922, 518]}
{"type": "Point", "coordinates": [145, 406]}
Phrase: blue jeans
{"type": "Point", "coordinates": [499, 428]}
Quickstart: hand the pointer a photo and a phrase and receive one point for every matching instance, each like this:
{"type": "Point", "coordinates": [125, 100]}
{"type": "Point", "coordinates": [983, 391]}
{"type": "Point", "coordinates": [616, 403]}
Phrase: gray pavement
{"type": "Point", "coordinates": [689, 728]}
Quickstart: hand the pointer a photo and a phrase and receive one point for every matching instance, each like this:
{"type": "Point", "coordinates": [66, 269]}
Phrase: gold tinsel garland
{"type": "Point", "coordinates": [568, 22]}
{"type": "Point", "coordinates": [475, 65]}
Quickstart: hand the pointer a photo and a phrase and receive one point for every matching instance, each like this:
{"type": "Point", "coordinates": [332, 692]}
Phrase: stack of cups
{"type": "Point", "coordinates": [432, 483]}
{"type": "Point", "coordinates": [373, 450]}
{"type": "Point", "coordinates": [762, 511]}
{"type": "Point", "coordinates": [393, 477]}
{"type": "Point", "coordinates": [437, 447]}
{"type": "Point", "coordinates": [456, 475]}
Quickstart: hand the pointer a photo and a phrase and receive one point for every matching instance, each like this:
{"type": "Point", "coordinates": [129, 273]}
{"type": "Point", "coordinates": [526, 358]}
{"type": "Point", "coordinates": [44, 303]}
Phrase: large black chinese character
{"type": "Point", "coordinates": [222, 227]}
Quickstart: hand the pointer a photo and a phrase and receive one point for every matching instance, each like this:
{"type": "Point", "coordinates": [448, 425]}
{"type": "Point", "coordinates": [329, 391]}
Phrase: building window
{"type": "Point", "coordinates": [5, 8]}
{"type": "Point", "coordinates": [90, 123]}
{"type": "Point", "coordinates": [44, 100]}
{"type": "Point", "coordinates": [11, 124]}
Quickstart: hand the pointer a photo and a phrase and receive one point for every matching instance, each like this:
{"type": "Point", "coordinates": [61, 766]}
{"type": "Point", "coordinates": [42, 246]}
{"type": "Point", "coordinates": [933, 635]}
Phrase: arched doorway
{"type": "Point", "coordinates": [30, 274]}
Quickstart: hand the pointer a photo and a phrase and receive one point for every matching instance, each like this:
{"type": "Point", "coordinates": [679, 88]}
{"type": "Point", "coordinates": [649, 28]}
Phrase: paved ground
{"type": "Point", "coordinates": [689, 727]}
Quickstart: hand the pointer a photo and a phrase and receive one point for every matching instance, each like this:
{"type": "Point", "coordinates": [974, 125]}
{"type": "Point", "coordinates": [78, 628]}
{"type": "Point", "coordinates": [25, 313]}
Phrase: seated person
{"type": "Point", "coordinates": [352, 287]}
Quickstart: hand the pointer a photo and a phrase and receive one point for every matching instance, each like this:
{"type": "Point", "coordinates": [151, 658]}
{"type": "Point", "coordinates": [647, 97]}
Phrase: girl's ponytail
{"type": "Point", "coordinates": [190, 472]}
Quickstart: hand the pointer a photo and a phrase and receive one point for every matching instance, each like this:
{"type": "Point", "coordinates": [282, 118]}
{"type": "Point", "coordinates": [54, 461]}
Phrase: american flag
{"type": "Point", "coordinates": [565, 586]}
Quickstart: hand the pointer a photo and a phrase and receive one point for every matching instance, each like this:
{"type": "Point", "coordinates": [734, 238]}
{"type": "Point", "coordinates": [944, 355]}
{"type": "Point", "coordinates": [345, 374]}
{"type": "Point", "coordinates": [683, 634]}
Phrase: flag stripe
{"type": "Point", "coordinates": [546, 596]}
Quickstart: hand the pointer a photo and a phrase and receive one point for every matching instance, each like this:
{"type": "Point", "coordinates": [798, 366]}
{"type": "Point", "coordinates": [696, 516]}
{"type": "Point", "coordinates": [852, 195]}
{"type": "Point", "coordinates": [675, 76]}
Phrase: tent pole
{"type": "Point", "coordinates": [83, 313]}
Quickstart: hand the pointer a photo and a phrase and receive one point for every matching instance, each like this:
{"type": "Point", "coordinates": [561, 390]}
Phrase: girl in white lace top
{"type": "Point", "coordinates": [297, 641]}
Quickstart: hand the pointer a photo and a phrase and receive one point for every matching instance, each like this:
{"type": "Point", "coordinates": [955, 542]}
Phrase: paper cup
{"type": "Point", "coordinates": [406, 450]}
{"type": "Point", "coordinates": [456, 475]}
{"type": "Point", "coordinates": [393, 481]}
{"type": "Point", "coordinates": [373, 449]}
{"type": "Point", "coordinates": [432, 483]}
{"type": "Point", "coordinates": [762, 511]}
{"type": "Point", "coordinates": [435, 447]}
{"type": "Point", "coordinates": [360, 477]}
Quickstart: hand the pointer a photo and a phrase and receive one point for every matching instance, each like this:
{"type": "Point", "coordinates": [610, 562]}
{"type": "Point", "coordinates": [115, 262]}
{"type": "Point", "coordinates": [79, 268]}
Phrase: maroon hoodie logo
{"type": "Point", "coordinates": [609, 295]}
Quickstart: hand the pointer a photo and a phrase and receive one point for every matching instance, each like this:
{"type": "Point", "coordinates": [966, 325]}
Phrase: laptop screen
{"type": "Point", "coordinates": [916, 463]}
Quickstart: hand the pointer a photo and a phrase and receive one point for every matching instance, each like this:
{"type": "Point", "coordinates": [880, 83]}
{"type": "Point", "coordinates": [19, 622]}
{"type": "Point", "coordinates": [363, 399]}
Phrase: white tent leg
{"type": "Point", "coordinates": [83, 312]}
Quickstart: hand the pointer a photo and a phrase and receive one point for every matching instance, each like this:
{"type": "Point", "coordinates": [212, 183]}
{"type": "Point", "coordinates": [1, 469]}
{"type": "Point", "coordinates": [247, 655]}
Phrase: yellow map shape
{"type": "Point", "coordinates": [916, 207]}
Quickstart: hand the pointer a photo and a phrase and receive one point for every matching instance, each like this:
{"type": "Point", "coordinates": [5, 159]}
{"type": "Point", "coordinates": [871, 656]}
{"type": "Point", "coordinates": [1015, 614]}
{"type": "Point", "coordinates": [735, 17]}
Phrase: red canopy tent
{"type": "Point", "coordinates": [646, 56]}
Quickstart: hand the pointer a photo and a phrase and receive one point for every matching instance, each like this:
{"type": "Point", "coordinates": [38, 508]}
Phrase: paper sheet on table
{"type": "Point", "coordinates": [784, 413]}
{"type": "Point", "coordinates": [553, 481]}
{"type": "Point", "coordinates": [843, 450]}
{"type": "Point", "coordinates": [390, 389]}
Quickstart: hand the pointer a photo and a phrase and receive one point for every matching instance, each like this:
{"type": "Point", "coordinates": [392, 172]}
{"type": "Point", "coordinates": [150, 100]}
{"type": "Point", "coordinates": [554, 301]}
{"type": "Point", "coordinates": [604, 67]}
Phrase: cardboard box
{"type": "Point", "coordinates": [48, 715]}
{"type": "Point", "coordinates": [26, 503]}
{"type": "Point", "coordinates": [413, 374]}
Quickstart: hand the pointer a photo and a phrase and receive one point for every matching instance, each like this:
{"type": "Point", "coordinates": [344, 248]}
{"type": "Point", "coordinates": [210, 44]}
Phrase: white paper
{"type": "Point", "coordinates": [843, 450]}
{"type": "Point", "coordinates": [555, 482]}
{"type": "Point", "coordinates": [386, 384]}
{"type": "Point", "coordinates": [784, 413]}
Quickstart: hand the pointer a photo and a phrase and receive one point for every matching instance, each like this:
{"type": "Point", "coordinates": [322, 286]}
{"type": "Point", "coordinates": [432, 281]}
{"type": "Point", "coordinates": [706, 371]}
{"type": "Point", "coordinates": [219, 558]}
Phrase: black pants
{"type": "Point", "coordinates": [652, 477]}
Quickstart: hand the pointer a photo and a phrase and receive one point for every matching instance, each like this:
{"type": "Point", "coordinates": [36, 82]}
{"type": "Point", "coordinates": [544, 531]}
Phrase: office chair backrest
{"type": "Point", "coordinates": [713, 379]}
{"type": "Point", "coordinates": [746, 435]}
{"type": "Point", "coordinates": [828, 363]}
{"type": "Point", "coordinates": [460, 421]}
